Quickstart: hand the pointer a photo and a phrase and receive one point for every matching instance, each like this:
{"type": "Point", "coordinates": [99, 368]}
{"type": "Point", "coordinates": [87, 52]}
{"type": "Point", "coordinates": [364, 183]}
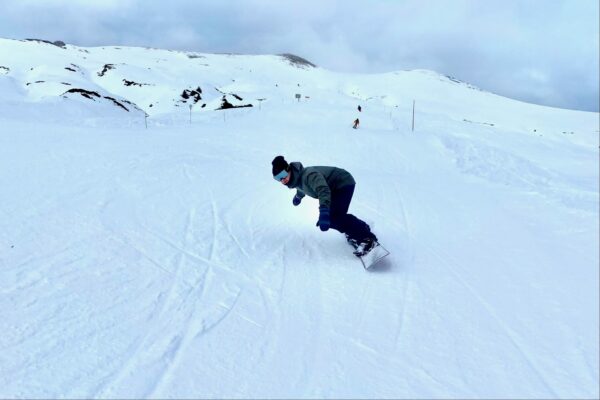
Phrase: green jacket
{"type": "Point", "coordinates": [318, 182]}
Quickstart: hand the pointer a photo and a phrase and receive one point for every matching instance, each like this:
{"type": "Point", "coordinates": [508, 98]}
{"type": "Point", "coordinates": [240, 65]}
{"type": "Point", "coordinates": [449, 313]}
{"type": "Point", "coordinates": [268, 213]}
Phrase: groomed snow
{"type": "Point", "coordinates": [165, 262]}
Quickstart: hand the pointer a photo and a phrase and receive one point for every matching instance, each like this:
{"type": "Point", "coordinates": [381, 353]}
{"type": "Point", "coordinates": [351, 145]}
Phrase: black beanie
{"type": "Point", "coordinates": [279, 164]}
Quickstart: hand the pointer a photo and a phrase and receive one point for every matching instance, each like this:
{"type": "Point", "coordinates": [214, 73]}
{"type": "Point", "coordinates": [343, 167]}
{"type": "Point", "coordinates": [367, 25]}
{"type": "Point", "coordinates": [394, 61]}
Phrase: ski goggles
{"type": "Point", "coordinates": [282, 175]}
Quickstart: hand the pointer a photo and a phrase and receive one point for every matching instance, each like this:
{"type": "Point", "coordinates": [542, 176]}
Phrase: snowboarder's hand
{"type": "Point", "coordinates": [296, 200]}
{"type": "Point", "coordinates": [324, 221]}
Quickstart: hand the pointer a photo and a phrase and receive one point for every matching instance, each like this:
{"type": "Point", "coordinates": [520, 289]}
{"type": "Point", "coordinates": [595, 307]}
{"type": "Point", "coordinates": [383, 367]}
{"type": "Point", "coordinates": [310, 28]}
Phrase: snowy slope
{"type": "Point", "coordinates": [166, 262]}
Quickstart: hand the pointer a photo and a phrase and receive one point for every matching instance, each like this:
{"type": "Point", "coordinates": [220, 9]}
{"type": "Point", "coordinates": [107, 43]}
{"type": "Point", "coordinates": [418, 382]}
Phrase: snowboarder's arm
{"type": "Point", "coordinates": [316, 181]}
{"type": "Point", "coordinates": [300, 194]}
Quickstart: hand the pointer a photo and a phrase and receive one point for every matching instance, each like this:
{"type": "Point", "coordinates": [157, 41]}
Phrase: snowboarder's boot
{"type": "Point", "coordinates": [365, 246]}
{"type": "Point", "coordinates": [352, 242]}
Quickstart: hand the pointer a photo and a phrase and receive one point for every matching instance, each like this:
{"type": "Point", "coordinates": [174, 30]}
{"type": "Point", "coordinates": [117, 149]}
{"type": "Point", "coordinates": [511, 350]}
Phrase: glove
{"type": "Point", "coordinates": [324, 221]}
{"type": "Point", "coordinates": [296, 200]}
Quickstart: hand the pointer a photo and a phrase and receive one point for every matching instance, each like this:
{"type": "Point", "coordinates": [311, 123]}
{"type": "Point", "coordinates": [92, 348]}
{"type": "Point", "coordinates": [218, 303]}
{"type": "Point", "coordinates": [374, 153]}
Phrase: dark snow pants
{"type": "Point", "coordinates": [347, 223]}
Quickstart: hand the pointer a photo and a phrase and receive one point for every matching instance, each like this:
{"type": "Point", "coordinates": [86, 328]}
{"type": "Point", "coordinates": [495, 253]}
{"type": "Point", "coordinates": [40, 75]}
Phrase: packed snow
{"type": "Point", "coordinates": [147, 252]}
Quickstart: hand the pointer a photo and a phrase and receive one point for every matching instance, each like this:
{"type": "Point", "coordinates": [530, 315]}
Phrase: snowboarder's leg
{"type": "Point", "coordinates": [354, 228]}
{"type": "Point", "coordinates": [340, 201]}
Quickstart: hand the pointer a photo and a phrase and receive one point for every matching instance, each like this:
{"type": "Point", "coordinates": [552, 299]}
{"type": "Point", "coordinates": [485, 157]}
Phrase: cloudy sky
{"type": "Point", "coordinates": [540, 51]}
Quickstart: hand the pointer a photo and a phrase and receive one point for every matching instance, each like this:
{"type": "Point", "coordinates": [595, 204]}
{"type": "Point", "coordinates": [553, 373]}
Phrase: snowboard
{"type": "Point", "coordinates": [376, 254]}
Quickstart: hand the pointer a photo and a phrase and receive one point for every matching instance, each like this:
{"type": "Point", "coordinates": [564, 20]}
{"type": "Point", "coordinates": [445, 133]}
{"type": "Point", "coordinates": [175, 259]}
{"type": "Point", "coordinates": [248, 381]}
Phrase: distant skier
{"type": "Point", "coordinates": [359, 108]}
{"type": "Point", "coordinates": [333, 187]}
{"type": "Point", "coordinates": [356, 122]}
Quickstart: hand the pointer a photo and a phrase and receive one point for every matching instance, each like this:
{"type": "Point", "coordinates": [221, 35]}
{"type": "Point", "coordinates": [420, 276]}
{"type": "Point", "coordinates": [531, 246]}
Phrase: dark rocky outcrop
{"type": "Point", "coordinates": [117, 103]}
{"type": "Point", "coordinates": [455, 80]}
{"type": "Point", "coordinates": [105, 69]}
{"type": "Point", "coordinates": [191, 94]}
{"type": "Point", "coordinates": [85, 93]}
{"type": "Point", "coordinates": [57, 43]}
{"type": "Point", "coordinates": [227, 105]}
{"type": "Point", "coordinates": [73, 67]}
{"type": "Point", "coordinates": [132, 83]}
{"type": "Point", "coordinates": [131, 104]}
{"type": "Point", "coordinates": [89, 94]}
{"type": "Point", "coordinates": [297, 61]}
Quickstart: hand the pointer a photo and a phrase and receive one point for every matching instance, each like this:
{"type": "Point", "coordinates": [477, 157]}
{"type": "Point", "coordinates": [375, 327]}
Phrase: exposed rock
{"type": "Point", "coordinates": [455, 80]}
{"type": "Point", "coordinates": [117, 103]}
{"type": "Point", "coordinates": [229, 94]}
{"type": "Point", "coordinates": [227, 105]}
{"type": "Point", "coordinates": [4, 70]}
{"type": "Point", "coordinates": [85, 93]}
{"type": "Point", "coordinates": [105, 69]}
{"type": "Point", "coordinates": [74, 67]}
{"type": "Point", "coordinates": [195, 94]}
{"type": "Point", "coordinates": [132, 83]}
{"type": "Point", "coordinates": [297, 61]}
{"type": "Point", "coordinates": [92, 95]}
{"type": "Point", "coordinates": [58, 43]}
{"type": "Point", "coordinates": [131, 104]}
{"type": "Point", "coordinates": [476, 122]}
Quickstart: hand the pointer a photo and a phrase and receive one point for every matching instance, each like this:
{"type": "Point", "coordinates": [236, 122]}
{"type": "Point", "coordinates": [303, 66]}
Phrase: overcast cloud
{"type": "Point", "coordinates": [540, 51]}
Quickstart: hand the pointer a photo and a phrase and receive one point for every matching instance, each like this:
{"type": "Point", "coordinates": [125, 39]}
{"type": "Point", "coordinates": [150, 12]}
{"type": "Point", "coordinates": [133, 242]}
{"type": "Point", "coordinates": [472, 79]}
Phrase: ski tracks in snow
{"type": "Point", "coordinates": [184, 312]}
{"type": "Point", "coordinates": [512, 336]}
{"type": "Point", "coordinates": [183, 315]}
{"type": "Point", "coordinates": [399, 240]}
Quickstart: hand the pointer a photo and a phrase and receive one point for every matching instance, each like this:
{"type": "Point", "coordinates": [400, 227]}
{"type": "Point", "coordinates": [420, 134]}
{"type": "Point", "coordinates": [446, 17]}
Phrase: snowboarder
{"type": "Point", "coordinates": [356, 122]}
{"type": "Point", "coordinates": [333, 187]}
{"type": "Point", "coordinates": [359, 108]}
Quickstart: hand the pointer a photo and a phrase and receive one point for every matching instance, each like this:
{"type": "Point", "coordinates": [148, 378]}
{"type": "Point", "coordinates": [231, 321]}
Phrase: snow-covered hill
{"type": "Point", "coordinates": [166, 262]}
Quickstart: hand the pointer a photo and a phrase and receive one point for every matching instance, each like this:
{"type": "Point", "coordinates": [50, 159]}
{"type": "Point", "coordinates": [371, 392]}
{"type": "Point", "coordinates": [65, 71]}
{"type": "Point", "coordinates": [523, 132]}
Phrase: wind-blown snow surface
{"type": "Point", "coordinates": [167, 263]}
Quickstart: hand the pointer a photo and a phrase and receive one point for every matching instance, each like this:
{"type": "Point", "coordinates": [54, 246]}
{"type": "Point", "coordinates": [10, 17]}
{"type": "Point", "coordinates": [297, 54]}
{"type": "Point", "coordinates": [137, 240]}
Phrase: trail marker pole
{"type": "Point", "coordinates": [413, 117]}
{"type": "Point", "coordinates": [190, 114]}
